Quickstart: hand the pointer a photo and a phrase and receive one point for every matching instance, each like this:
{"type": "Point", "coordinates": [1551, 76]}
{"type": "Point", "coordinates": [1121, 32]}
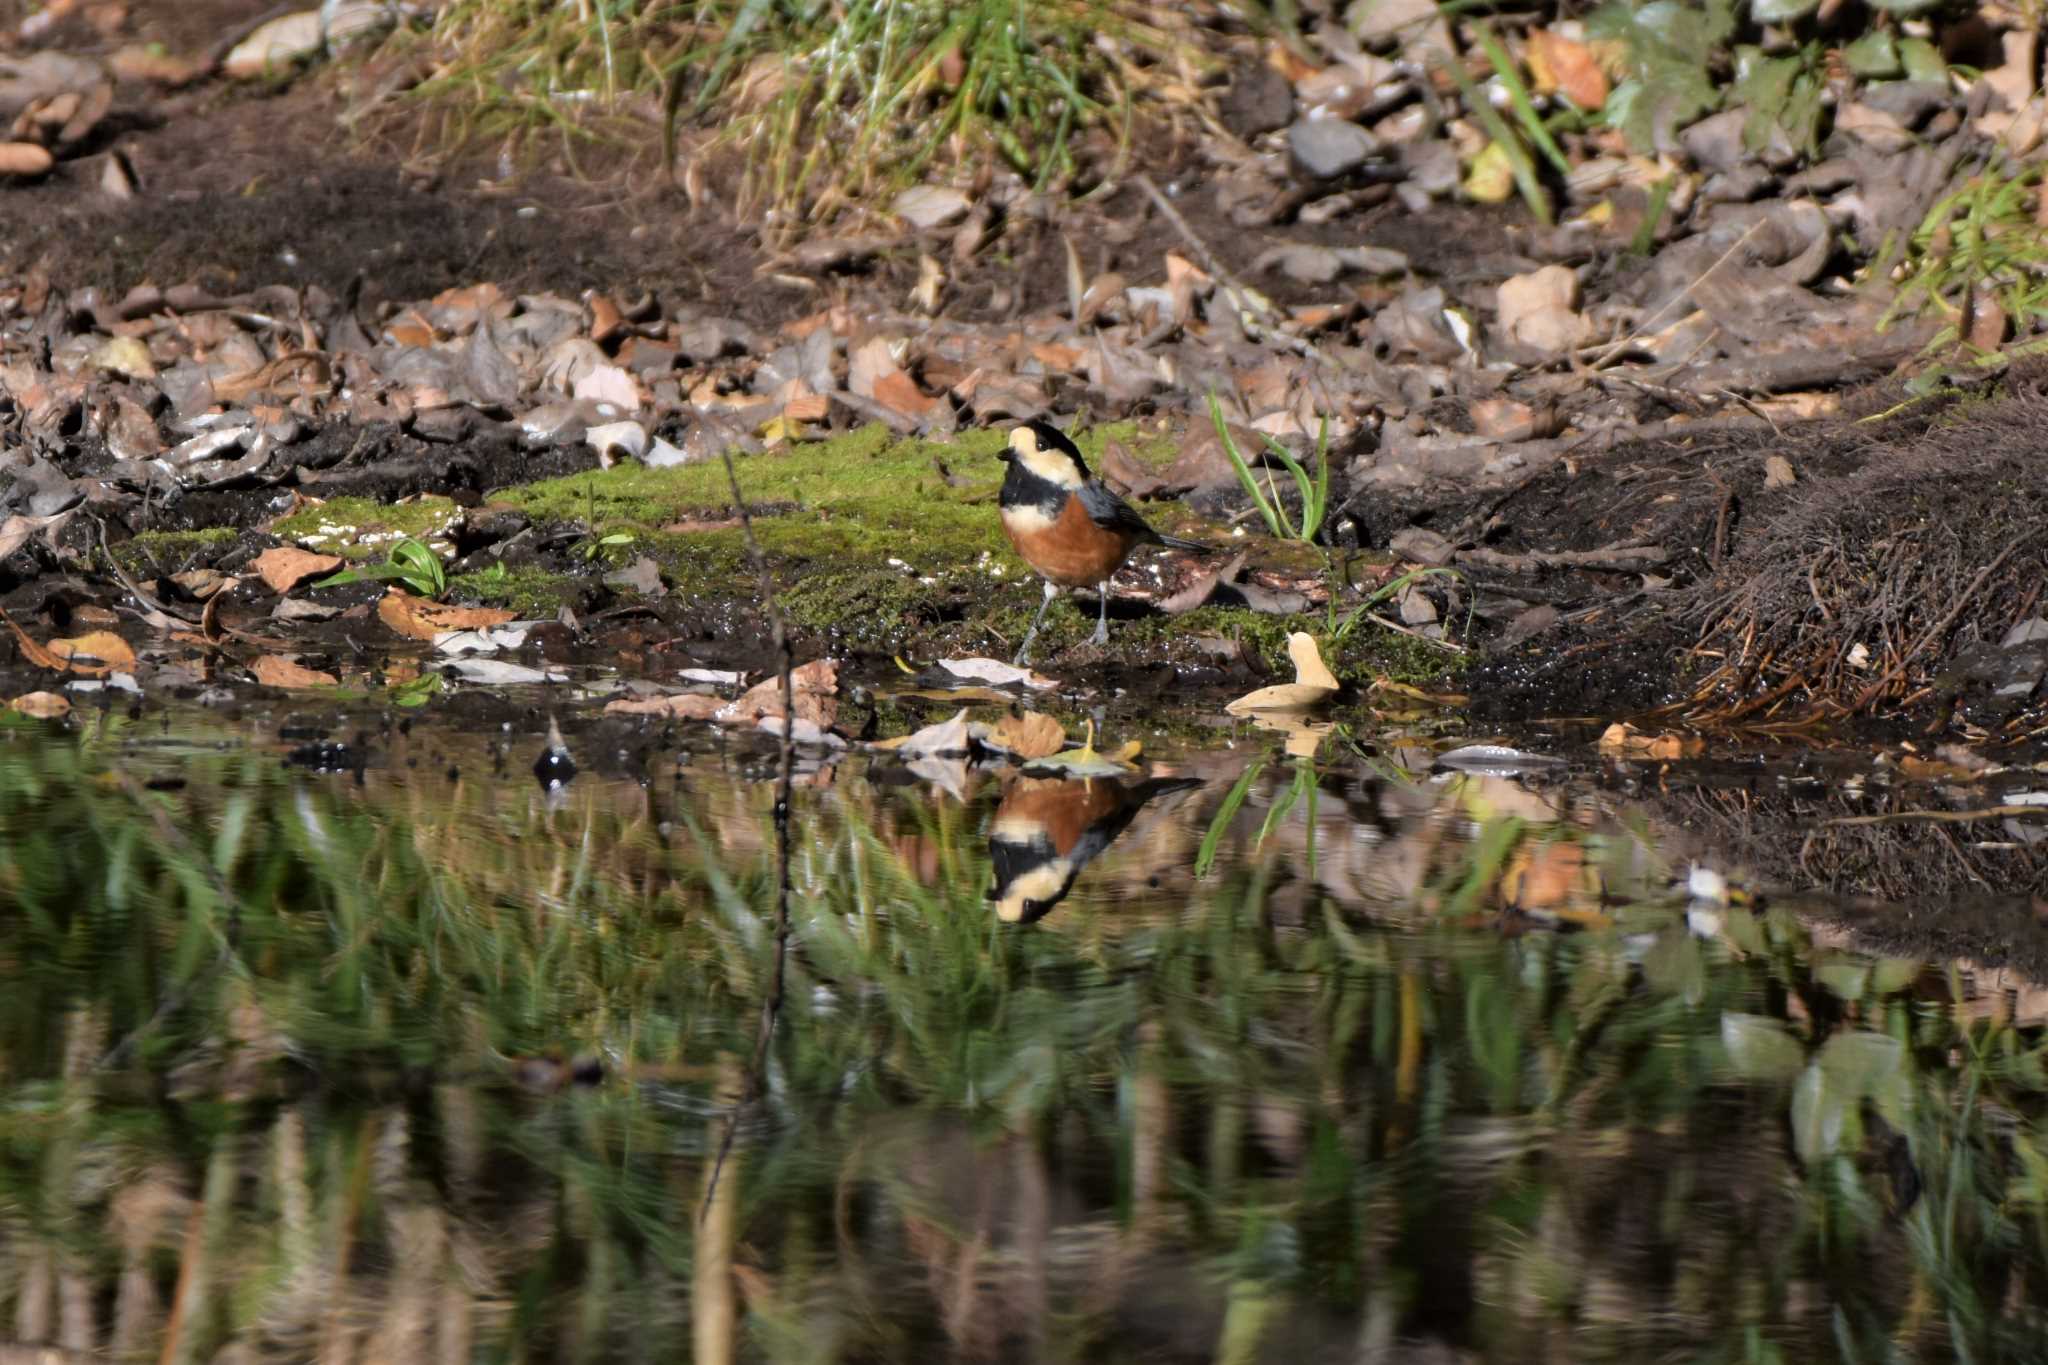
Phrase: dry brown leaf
{"type": "Point", "coordinates": [1539, 310]}
{"type": "Point", "coordinates": [1313, 682]}
{"type": "Point", "coordinates": [418, 619]}
{"type": "Point", "coordinates": [16, 530]}
{"type": "Point", "coordinates": [1030, 734]}
{"type": "Point", "coordinates": [274, 670]}
{"type": "Point", "coordinates": [812, 688]}
{"type": "Point", "coordinates": [897, 391]}
{"type": "Point", "coordinates": [285, 567]}
{"type": "Point", "coordinates": [24, 158]}
{"type": "Point", "coordinates": [1622, 740]}
{"type": "Point", "coordinates": [108, 651]}
{"type": "Point", "coordinates": [42, 705]}
{"type": "Point", "coordinates": [1560, 63]}
{"type": "Point", "coordinates": [682, 706]}
{"type": "Point", "coordinates": [605, 318]}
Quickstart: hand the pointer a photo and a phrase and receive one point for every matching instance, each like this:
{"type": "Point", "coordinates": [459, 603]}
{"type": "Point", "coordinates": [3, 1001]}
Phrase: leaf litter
{"type": "Point", "coordinates": [1714, 261]}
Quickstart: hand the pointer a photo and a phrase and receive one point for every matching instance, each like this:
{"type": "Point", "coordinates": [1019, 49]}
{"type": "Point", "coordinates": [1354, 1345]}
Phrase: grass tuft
{"type": "Point", "coordinates": [829, 106]}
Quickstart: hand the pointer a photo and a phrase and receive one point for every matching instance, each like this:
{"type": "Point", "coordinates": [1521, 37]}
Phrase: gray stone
{"type": "Point", "coordinates": [1327, 148]}
{"type": "Point", "coordinates": [1907, 101]}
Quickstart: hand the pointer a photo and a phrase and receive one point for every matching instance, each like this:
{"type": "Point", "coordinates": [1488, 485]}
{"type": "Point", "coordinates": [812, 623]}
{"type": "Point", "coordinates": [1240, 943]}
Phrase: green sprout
{"type": "Point", "coordinates": [412, 563]}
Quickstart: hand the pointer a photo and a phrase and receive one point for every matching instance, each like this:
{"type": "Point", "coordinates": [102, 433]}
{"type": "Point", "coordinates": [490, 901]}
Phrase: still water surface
{"type": "Point", "coordinates": [1350, 1058]}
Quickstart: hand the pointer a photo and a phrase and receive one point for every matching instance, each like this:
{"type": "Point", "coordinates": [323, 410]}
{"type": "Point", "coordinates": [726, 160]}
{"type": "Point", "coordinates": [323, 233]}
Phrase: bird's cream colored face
{"type": "Point", "coordinates": [1039, 884]}
{"type": "Point", "coordinates": [1051, 465]}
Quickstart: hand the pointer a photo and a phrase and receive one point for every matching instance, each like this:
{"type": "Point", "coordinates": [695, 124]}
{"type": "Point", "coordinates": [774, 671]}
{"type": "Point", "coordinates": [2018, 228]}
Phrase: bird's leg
{"type": "Point", "coordinates": [1101, 636]}
{"type": "Point", "coordinates": [1024, 650]}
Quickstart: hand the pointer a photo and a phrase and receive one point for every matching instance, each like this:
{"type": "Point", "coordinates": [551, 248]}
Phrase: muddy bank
{"type": "Point", "coordinates": [1683, 576]}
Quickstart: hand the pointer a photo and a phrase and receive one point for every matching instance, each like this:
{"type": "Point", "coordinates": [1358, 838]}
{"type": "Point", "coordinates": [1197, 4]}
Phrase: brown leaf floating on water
{"type": "Point", "coordinates": [274, 670]}
{"type": "Point", "coordinates": [42, 705]}
{"type": "Point", "coordinates": [681, 706]}
{"type": "Point", "coordinates": [1029, 734]}
{"type": "Point", "coordinates": [812, 689]}
{"type": "Point", "coordinates": [108, 651]}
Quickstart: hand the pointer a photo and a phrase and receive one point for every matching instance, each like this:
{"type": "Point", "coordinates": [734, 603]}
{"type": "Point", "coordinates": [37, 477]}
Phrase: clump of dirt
{"type": "Point", "coordinates": [239, 190]}
{"type": "Point", "coordinates": [1864, 586]}
{"type": "Point", "coordinates": [1904, 542]}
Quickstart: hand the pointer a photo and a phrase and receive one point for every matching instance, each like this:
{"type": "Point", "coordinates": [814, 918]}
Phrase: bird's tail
{"type": "Point", "coordinates": [1176, 543]}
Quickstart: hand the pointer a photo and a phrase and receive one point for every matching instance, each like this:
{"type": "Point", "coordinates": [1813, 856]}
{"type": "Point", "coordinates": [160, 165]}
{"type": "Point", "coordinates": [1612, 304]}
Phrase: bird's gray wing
{"type": "Point", "coordinates": [1111, 512]}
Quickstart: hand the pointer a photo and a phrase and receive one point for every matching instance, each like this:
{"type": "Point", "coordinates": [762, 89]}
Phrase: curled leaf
{"type": "Point", "coordinates": [1313, 682]}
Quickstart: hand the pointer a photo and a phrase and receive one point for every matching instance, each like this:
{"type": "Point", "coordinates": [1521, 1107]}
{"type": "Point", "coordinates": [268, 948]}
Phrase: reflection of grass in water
{"type": "Point", "coordinates": [1329, 1125]}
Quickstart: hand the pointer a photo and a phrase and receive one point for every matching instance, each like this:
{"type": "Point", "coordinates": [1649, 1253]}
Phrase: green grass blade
{"type": "Point", "coordinates": [1205, 856]}
{"type": "Point", "coordinates": [1533, 193]}
{"type": "Point", "coordinates": [1518, 95]}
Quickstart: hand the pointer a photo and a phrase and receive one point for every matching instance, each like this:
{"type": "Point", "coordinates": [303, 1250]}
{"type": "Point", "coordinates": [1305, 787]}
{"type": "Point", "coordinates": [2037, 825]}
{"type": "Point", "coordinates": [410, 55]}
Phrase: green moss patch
{"type": "Point", "coordinates": [533, 593]}
{"type": "Point", "coordinates": [871, 539]}
{"type": "Point", "coordinates": [358, 528]}
{"type": "Point", "coordinates": [171, 551]}
{"type": "Point", "coordinates": [894, 546]}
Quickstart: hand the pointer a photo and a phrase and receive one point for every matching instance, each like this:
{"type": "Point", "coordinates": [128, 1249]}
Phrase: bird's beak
{"type": "Point", "coordinates": [1006, 455]}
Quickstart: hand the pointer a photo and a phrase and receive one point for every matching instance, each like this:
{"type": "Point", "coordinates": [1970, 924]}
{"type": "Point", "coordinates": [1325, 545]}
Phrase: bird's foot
{"type": "Point", "coordinates": [1101, 635]}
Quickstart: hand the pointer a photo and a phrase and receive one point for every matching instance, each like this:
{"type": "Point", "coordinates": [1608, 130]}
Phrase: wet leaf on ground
{"type": "Point", "coordinates": [681, 706]}
{"type": "Point", "coordinates": [996, 673]}
{"type": "Point", "coordinates": [813, 693]}
{"type": "Point", "coordinates": [284, 567]}
{"type": "Point", "coordinates": [418, 619]}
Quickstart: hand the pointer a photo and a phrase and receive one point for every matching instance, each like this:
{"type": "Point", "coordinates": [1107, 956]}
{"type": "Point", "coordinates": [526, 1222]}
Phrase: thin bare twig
{"type": "Point", "coordinates": [1942, 817]}
{"type": "Point", "coordinates": [1939, 628]}
{"type": "Point", "coordinates": [771, 1003]}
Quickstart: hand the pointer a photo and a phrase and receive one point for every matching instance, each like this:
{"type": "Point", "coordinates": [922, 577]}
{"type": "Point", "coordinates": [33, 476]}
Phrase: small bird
{"type": "Point", "coordinates": [1066, 523]}
{"type": "Point", "coordinates": [1046, 829]}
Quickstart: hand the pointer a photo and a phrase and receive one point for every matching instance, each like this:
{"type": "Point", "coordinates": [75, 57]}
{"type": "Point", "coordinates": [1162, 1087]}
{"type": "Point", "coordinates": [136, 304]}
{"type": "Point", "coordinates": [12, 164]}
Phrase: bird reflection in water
{"type": "Point", "coordinates": [1046, 829]}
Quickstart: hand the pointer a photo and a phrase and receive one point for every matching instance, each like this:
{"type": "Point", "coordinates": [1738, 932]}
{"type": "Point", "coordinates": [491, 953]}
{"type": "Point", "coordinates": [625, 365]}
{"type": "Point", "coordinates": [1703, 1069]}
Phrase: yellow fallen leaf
{"type": "Point", "coordinates": [1621, 740]}
{"type": "Point", "coordinates": [98, 646]}
{"type": "Point", "coordinates": [781, 427]}
{"type": "Point", "coordinates": [1491, 180]}
{"type": "Point", "coordinates": [1313, 682]}
{"type": "Point", "coordinates": [1086, 762]}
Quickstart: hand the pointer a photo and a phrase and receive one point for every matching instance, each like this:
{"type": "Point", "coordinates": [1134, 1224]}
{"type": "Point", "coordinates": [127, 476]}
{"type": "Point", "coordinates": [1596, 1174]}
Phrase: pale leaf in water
{"type": "Point", "coordinates": [1087, 761]}
{"type": "Point", "coordinates": [997, 674]}
{"type": "Point", "coordinates": [946, 738]}
{"type": "Point", "coordinates": [1313, 682]}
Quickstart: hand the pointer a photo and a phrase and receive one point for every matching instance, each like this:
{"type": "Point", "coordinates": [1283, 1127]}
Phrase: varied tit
{"type": "Point", "coordinates": [1046, 829]}
{"type": "Point", "coordinates": [1066, 523]}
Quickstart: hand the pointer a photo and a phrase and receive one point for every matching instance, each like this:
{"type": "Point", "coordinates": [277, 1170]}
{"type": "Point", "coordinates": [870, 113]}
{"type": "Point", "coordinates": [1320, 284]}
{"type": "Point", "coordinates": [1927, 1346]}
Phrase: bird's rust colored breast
{"type": "Point", "coordinates": [1073, 551]}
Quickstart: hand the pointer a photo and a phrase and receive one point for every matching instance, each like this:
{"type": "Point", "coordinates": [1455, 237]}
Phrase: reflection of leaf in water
{"type": "Point", "coordinates": [1675, 966]}
{"type": "Point", "coordinates": [1845, 976]}
{"type": "Point", "coordinates": [1759, 1048]}
{"type": "Point", "coordinates": [1859, 1064]}
{"type": "Point", "coordinates": [1818, 1115]}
